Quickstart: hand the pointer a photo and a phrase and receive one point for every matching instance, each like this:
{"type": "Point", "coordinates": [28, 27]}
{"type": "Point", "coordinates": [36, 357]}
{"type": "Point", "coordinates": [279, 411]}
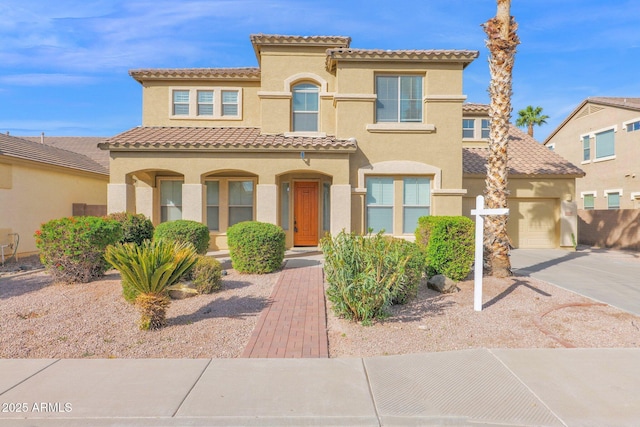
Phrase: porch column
{"type": "Point", "coordinates": [267, 203]}
{"type": "Point", "coordinates": [192, 199]}
{"type": "Point", "coordinates": [120, 198]}
{"type": "Point", "coordinates": [144, 199]}
{"type": "Point", "coordinates": [340, 208]}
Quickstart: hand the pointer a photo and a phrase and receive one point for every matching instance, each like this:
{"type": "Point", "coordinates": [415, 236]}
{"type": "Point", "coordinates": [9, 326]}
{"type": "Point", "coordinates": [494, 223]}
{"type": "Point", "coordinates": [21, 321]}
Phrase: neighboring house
{"type": "Point", "coordinates": [86, 145]}
{"type": "Point", "coordinates": [39, 182]}
{"type": "Point", "coordinates": [602, 135]}
{"type": "Point", "coordinates": [541, 184]}
{"type": "Point", "coordinates": [319, 138]}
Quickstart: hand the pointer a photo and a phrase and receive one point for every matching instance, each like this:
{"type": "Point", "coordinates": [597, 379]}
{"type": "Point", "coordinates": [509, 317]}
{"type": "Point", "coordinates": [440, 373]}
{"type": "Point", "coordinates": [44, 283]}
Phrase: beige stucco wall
{"type": "Point", "coordinates": [39, 193]}
{"type": "Point", "coordinates": [559, 191]}
{"type": "Point", "coordinates": [621, 173]}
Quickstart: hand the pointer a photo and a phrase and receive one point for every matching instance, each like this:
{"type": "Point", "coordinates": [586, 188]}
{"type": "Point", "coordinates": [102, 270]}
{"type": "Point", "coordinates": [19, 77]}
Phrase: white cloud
{"type": "Point", "coordinates": [41, 79]}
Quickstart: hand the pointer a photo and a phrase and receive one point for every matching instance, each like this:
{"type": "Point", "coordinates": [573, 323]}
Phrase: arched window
{"type": "Point", "coordinates": [305, 107]}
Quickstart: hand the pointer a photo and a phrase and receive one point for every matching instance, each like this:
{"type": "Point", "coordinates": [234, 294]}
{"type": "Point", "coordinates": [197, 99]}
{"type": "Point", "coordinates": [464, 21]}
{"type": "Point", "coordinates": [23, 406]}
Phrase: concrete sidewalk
{"type": "Point", "coordinates": [543, 387]}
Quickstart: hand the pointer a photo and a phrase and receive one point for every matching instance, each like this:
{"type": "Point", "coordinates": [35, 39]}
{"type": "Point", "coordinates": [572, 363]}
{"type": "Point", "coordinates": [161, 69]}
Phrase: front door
{"type": "Point", "coordinates": [305, 214]}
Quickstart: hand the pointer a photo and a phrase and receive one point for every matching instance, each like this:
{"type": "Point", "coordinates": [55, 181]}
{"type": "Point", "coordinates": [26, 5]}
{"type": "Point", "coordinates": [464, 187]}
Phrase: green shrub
{"type": "Point", "coordinates": [72, 249]}
{"type": "Point", "coordinates": [256, 247]}
{"type": "Point", "coordinates": [135, 228]}
{"type": "Point", "coordinates": [149, 269]}
{"type": "Point", "coordinates": [183, 230]}
{"type": "Point", "coordinates": [406, 287]}
{"type": "Point", "coordinates": [448, 243]}
{"type": "Point", "coordinates": [367, 273]}
{"type": "Point", "coordinates": [206, 275]}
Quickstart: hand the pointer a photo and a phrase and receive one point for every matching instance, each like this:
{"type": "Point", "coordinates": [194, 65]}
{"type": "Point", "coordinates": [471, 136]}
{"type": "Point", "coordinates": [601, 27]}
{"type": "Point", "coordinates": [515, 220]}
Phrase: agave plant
{"type": "Point", "coordinates": [150, 268]}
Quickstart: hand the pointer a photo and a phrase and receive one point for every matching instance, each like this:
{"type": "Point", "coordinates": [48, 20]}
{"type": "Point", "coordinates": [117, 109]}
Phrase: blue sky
{"type": "Point", "coordinates": [64, 64]}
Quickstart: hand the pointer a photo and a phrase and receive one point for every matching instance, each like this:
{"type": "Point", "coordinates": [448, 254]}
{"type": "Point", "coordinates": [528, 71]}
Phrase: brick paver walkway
{"type": "Point", "coordinates": [294, 324]}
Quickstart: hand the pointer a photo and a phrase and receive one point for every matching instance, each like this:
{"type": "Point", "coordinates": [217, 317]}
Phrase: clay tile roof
{"type": "Point", "coordinates": [20, 148]}
{"type": "Point", "coordinates": [527, 157]}
{"type": "Point", "coordinates": [85, 145]}
{"type": "Point", "coordinates": [464, 56]}
{"type": "Point", "coordinates": [471, 108]}
{"type": "Point", "coordinates": [248, 73]}
{"type": "Point", "coordinates": [243, 139]}
{"type": "Point", "coordinates": [276, 39]}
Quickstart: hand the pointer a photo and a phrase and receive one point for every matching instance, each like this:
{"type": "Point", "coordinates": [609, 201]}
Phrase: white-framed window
{"type": "Point", "coordinates": [586, 148]}
{"type": "Point", "coordinates": [170, 199]}
{"type": "Point", "coordinates": [416, 202]}
{"type": "Point", "coordinates": [213, 205]}
{"type": "Point", "coordinates": [306, 106]}
{"type": "Point", "coordinates": [240, 201]}
{"type": "Point", "coordinates": [468, 128]}
{"type": "Point", "coordinates": [380, 204]}
{"type": "Point", "coordinates": [484, 131]}
{"type": "Point", "coordinates": [605, 144]}
{"type": "Point", "coordinates": [230, 103]}
{"type": "Point", "coordinates": [399, 99]}
{"type": "Point", "coordinates": [205, 103]}
{"type": "Point", "coordinates": [632, 125]}
{"type": "Point", "coordinates": [588, 200]}
{"type": "Point", "coordinates": [613, 198]}
{"type": "Point", "coordinates": [475, 128]}
{"type": "Point", "coordinates": [180, 103]}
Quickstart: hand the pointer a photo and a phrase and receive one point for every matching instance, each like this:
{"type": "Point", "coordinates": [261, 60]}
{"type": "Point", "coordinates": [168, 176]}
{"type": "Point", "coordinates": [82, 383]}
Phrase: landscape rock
{"type": "Point", "coordinates": [442, 284]}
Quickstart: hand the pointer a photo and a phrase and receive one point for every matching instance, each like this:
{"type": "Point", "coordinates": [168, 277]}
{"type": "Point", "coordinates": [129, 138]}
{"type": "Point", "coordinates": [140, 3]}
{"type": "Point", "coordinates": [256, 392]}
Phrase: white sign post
{"type": "Point", "coordinates": [480, 212]}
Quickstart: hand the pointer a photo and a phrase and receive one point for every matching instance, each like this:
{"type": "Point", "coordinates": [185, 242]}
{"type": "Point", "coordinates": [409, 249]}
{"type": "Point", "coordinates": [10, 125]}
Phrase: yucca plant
{"type": "Point", "coordinates": [150, 268]}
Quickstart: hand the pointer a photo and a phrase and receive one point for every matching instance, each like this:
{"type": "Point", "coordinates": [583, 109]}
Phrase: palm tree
{"type": "Point", "coordinates": [501, 42]}
{"type": "Point", "coordinates": [531, 116]}
{"type": "Point", "coordinates": [150, 268]}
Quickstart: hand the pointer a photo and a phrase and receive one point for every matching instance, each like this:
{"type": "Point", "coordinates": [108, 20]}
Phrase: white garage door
{"type": "Point", "coordinates": [533, 223]}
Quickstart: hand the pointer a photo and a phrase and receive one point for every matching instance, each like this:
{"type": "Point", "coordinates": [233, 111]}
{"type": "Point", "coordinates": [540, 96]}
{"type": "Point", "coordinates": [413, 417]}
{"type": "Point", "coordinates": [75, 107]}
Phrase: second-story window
{"type": "Point", "coordinates": [484, 132]}
{"type": "Point", "coordinates": [229, 102]}
{"type": "Point", "coordinates": [205, 103]}
{"type": "Point", "coordinates": [180, 102]}
{"type": "Point", "coordinates": [305, 107]}
{"type": "Point", "coordinates": [586, 148]}
{"type": "Point", "coordinates": [468, 128]}
{"type": "Point", "coordinates": [605, 144]}
{"type": "Point", "coordinates": [399, 99]}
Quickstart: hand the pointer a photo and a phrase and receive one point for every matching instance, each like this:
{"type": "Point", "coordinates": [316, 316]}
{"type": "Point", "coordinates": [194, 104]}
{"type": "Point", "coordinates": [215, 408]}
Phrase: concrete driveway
{"type": "Point", "coordinates": [608, 276]}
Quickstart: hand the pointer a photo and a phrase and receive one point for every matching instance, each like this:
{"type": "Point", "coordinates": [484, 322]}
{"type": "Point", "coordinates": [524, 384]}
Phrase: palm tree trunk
{"type": "Point", "coordinates": [530, 130]}
{"type": "Point", "coordinates": [502, 41]}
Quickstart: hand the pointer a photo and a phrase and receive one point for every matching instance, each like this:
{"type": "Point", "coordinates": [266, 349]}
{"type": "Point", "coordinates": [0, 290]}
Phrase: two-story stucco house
{"type": "Point", "coordinates": [602, 135]}
{"type": "Point", "coordinates": [320, 137]}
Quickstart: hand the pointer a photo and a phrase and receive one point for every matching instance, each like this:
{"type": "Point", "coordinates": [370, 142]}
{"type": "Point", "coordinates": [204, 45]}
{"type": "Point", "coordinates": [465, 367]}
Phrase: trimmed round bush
{"type": "Point", "coordinates": [183, 230]}
{"type": "Point", "coordinates": [448, 242]}
{"type": "Point", "coordinates": [136, 228]}
{"type": "Point", "coordinates": [256, 247]}
{"type": "Point", "coordinates": [72, 249]}
{"type": "Point", "coordinates": [206, 275]}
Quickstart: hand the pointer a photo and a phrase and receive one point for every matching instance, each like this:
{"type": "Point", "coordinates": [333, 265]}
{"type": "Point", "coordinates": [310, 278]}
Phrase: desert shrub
{"type": "Point", "coordinates": [206, 275]}
{"type": "Point", "coordinates": [256, 247]}
{"type": "Point", "coordinates": [408, 281]}
{"type": "Point", "coordinates": [183, 230]}
{"type": "Point", "coordinates": [136, 228]}
{"type": "Point", "coordinates": [149, 269]}
{"type": "Point", "coordinates": [72, 249]}
{"type": "Point", "coordinates": [367, 273]}
{"type": "Point", "coordinates": [448, 244]}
